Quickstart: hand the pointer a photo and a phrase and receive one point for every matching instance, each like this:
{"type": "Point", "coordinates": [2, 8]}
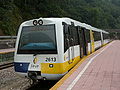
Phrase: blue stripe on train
{"type": "Point", "coordinates": [21, 67]}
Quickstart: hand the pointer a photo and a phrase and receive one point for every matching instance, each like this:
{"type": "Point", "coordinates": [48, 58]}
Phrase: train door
{"type": "Point", "coordinates": [85, 45]}
{"type": "Point", "coordinates": [68, 43]}
{"type": "Point", "coordinates": [92, 41]}
{"type": "Point", "coordinates": [71, 42]}
{"type": "Point", "coordinates": [80, 41]}
{"type": "Point", "coordinates": [83, 42]}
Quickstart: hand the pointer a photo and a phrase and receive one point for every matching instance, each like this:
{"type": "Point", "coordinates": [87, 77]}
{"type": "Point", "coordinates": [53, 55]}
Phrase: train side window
{"type": "Point", "coordinates": [84, 36]}
{"type": "Point", "coordinates": [97, 36]}
{"type": "Point", "coordinates": [105, 36]}
{"type": "Point", "coordinates": [71, 36]}
{"type": "Point", "coordinates": [66, 37]}
{"type": "Point", "coordinates": [80, 35]}
{"type": "Point", "coordinates": [76, 36]}
{"type": "Point", "coordinates": [87, 35]}
{"type": "Point", "coordinates": [66, 29]}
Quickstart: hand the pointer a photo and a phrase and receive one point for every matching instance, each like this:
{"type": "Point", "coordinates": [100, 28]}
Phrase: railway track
{"type": "Point", "coordinates": [42, 85]}
{"type": "Point", "coordinates": [7, 65]}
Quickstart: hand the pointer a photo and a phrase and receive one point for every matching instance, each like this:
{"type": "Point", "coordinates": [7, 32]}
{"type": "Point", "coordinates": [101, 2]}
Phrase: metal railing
{"type": "Point", "coordinates": [8, 37]}
{"type": "Point", "coordinates": [7, 56]}
{"type": "Point", "coordinates": [7, 42]}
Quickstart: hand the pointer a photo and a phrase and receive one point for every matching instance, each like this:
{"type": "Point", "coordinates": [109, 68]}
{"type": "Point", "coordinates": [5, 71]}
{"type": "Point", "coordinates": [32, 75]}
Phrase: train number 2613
{"type": "Point", "coordinates": [50, 59]}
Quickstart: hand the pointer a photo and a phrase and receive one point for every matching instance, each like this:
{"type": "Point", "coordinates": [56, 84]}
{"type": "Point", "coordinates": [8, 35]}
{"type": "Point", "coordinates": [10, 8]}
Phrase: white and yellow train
{"type": "Point", "coordinates": [47, 48]}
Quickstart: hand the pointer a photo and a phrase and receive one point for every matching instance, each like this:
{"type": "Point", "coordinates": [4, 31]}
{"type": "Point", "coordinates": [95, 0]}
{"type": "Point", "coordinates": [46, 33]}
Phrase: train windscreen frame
{"type": "Point", "coordinates": [38, 40]}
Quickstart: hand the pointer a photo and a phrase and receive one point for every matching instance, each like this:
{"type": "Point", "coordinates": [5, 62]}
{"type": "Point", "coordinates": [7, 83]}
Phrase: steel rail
{"type": "Point", "coordinates": [6, 65]}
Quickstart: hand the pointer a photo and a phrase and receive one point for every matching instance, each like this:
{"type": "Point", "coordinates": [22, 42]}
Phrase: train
{"type": "Point", "coordinates": [48, 48]}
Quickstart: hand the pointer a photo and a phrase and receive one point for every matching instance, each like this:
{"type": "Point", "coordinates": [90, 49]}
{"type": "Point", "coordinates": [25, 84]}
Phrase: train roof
{"type": "Point", "coordinates": [68, 21]}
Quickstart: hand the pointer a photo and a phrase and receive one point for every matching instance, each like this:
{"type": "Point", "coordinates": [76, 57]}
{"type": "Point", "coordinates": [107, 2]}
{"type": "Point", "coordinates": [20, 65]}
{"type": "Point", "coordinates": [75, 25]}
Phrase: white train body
{"type": "Point", "coordinates": [41, 52]}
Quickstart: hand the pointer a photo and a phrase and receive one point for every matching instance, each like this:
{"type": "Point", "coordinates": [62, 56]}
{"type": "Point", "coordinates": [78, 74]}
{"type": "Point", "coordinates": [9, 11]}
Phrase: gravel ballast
{"type": "Point", "coordinates": [9, 80]}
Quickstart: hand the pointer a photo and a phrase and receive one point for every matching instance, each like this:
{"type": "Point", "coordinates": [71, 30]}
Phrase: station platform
{"type": "Point", "coordinates": [98, 71]}
{"type": "Point", "coordinates": [3, 51]}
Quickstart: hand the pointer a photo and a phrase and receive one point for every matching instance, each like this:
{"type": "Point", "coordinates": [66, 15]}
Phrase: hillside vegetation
{"type": "Point", "coordinates": [103, 14]}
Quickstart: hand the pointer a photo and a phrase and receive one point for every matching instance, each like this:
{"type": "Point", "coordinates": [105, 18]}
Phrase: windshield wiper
{"type": "Point", "coordinates": [35, 54]}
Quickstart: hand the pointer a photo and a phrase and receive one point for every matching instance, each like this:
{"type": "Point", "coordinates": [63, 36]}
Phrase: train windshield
{"type": "Point", "coordinates": [38, 40]}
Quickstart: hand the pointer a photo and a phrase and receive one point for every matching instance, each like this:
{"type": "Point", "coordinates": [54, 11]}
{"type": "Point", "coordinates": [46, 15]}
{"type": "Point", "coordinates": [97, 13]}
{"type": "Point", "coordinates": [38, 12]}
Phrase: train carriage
{"type": "Point", "coordinates": [47, 48]}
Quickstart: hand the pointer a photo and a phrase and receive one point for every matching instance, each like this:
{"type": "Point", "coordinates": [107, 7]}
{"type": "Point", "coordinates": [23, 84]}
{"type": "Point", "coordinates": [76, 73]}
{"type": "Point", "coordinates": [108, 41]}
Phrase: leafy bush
{"type": "Point", "coordinates": [103, 14]}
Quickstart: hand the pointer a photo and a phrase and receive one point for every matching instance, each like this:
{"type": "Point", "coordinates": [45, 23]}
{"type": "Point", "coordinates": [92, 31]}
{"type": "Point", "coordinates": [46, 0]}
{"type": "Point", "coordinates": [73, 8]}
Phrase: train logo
{"type": "Point", "coordinates": [35, 60]}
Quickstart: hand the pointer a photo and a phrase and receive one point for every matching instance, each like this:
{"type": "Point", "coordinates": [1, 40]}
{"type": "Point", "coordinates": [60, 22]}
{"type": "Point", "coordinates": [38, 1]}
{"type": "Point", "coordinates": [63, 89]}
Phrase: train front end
{"type": "Point", "coordinates": [36, 54]}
